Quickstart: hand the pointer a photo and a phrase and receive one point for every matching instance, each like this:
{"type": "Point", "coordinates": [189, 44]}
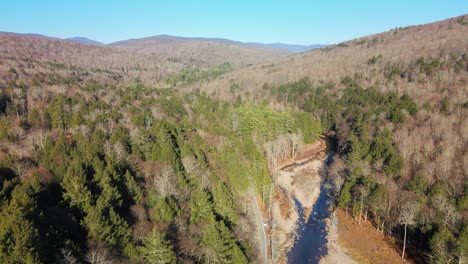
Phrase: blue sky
{"type": "Point", "coordinates": [296, 22]}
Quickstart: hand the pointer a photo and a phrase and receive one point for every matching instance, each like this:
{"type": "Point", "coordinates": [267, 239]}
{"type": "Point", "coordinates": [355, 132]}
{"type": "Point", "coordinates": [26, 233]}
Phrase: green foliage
{"type": "Point", "coordinates": [429, 65]}
{"type": "Point", "coordinates": [173, 106]}
{"type": "Point", "coordinates": [406, 102]}
{"type": "Point", "coordinates": [159, 143]}
{"type": "Point", "coordinates": [269, 124]}
{"type": "Point", "coordinates": [394, 164]}
{"type": "Point", "coordinates": [132, 188]}
{"type": "Point", "coordinates": [218, 239]}
{"type": "Point", "coordinates": [58, 109]}
{"type": "Point", "coordinates": [19, 236]}
{"type": "Point", "coordinates": [5, 128]}
{"type": "Point", "coordinates": [356, 149]}
{"type": "Point", "coordinates": [200, 207]}
{"type": "Point", "coordinates": [75, 187]}
{"type": "Point", "coordinates": [223, 202]}
{"type": "Point", "coordinates": [345, 194]}
{"type": "Point", "coordinates": [444, 246]}
{"type": "Point", "coordinates": [157, 250]}
{"type": "Point", "coordinates": [397, 116]}
{"type": "Point", "coordinates": [382, 148]}
{"type": "Point", "coordinates": [164, 209]}
{"type": "Point", "coordinates": [445, 105]}
{"type": "Point", "coordinates": [462, 203]}
{"type": "Point", "coordinates": [245, 165]}
{"type": "Point", "coordinates": [308, 126]}
{"type": "Point", "coordinates": [293, 90]}
{"type": "Point", "coordinates": [419, 184]}
{"type": "Point", "coordinates": [190, 74]}
{"type": "Point", "coordinates": [104, 224]}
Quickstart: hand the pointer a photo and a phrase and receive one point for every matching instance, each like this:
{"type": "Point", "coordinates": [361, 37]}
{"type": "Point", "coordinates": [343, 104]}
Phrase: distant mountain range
{"type": "Point", "coordinates": [289, 47]}
{"type": "Point", "coordinates": [84, 40]}
{"type": "Point", "coordinates": [293, 48]}
{"type": "Point", "coordinates": [168, 38]}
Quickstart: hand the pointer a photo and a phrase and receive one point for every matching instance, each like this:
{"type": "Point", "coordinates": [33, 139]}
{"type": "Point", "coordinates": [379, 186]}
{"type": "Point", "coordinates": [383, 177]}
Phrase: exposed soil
{"type": "Point", "coordinates": [364, 243]}
{"type": "Point", "coordinates": [304, 154]}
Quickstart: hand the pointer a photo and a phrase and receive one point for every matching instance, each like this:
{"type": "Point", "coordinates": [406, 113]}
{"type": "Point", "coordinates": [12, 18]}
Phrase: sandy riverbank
{"type": "Point", "coordinates": [300, 179]}
{"type": "Point", "coordinates": [336, 253]}
{"type": "Point", "coordinates": [349, 241]}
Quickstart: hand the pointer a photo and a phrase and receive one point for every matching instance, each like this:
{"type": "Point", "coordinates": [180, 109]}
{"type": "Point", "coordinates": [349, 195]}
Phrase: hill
{"type": "Point", "coordinates": [84, 40]}
{"type": "Point", "coordinates": [73, 58]}
{"type": "Point", "coordinates": [157, 150]}
{"type": "Point", "coordinates": [396, 103]}
{"type": "Point", "coordinates": [202, 51]}
{"type": "Point", "coordinates": [289, 47]}
{"type": "Point", "coordinates": [369, 57]}
{"type": "Point", "coordinates": [134, 58]}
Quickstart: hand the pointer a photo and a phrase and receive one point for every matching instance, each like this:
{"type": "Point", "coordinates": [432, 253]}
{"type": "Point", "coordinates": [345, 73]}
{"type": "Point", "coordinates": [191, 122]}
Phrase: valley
{"type": "Point", "coordinates": [205, 150]}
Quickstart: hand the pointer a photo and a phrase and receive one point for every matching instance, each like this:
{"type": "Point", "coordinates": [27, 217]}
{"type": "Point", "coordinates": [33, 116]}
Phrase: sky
{"type": "Point", "coordinates": [291, 21]}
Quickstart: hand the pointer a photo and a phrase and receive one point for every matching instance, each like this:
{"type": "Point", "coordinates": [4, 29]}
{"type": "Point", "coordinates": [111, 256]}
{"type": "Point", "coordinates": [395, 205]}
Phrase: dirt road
{"type": "Point", "coordinates": [261, 228]}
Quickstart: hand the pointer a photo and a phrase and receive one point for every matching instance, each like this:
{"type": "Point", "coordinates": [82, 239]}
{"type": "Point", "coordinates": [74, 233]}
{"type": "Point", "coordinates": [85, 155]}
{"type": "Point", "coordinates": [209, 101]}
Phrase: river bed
{"type": "Point", "coordinates": [311, 240]}
{"type": "Point", "coordinates": [311, 234]}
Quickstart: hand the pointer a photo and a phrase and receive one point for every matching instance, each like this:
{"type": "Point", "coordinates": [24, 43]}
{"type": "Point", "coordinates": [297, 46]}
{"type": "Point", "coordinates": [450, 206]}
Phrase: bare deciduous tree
{"type": "Point", "coordinates": [447, 210]}
{"type": "Point", "coordinates": [99, 254]}
{"type": "Point", "coordinates": [164, 182]}
{"type": "Point", "coordinates": [67, 256]}
{"type": "Point", "coordinates": [408, 213]}
{"type": "Point", "coordinates": [195, 171]}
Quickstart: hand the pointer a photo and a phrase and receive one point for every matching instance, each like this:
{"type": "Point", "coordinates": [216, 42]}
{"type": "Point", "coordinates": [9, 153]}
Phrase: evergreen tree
{"type": "Point", "coordinates": [157, 250]}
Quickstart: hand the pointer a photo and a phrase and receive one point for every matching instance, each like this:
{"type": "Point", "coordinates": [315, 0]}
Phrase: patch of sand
{"type": "Point", "coordinates": [299, 179]}
{"type": "Point", "coordinates": [303, 182]}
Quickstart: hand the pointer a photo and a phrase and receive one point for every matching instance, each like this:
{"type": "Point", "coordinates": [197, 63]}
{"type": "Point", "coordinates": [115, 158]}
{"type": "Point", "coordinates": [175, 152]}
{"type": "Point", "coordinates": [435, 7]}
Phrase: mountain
{"type": "Point", "coordinates": [289, 47]}
{"type": "Point", "coordinates": [202, 51]}
{"type": "Point", "coordinates": [395, 48]}
{"type": "Point", "coordinates": [25, 34]}
{"type": "Point", "coordinates": [107, 63]}
{"type": "Point", "coordinates": [106, 156]}
{"type": "Point", "coordinates": [84, 41]}
{"type": "Point", "coordinates": [168, 38]}
{"type": "Point", "coordinates": [196, 51]}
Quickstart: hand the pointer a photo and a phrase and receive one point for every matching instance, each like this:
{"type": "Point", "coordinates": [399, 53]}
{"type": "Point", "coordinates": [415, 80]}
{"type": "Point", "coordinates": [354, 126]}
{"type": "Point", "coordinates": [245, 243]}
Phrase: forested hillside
{"type": "Point", "coordinates": [397, 105]}
{"type": "Point", "coordinates": [131, 172]}
{"type": "Point", "coordinates": [112, 156]}
{"type": "Point", "coordinates": [202, 51]}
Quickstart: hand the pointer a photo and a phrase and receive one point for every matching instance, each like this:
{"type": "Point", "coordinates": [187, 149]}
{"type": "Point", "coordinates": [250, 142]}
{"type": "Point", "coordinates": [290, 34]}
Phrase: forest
{"type": "Point", "coordinates": [128, 158]}
{"type": "Point", "coordinates": [102, 179]}
{"type": "Point", "coordinates": [381, 177]}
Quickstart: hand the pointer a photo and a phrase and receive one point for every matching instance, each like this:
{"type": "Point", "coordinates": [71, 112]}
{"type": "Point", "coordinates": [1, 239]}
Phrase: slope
{"type": "Point", "coordinates": [202, 51]}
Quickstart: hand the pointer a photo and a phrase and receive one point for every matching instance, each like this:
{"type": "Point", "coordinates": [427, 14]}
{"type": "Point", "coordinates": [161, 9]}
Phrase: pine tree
{"type": "Point", "coordinates": [157, 250]}
{"type": "Point", "coordinates": [75, 185]}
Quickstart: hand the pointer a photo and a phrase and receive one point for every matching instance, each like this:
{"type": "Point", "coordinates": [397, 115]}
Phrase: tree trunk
{"type": "Point", "coordinates": [362, 205]}
{"type": "Point", "coordinates": [404, 245]}
{"type": "Point", "coordinates": [460, 260]}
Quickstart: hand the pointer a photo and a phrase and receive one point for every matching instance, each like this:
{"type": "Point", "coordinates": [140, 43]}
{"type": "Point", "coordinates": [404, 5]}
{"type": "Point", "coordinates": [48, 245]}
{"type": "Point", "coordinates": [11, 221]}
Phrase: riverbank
{"type": "Point", "coordinates": [336, 253]}
{"type": "Point", "coordinates": [349, 242]}
{"type": "Point", "coordinates": [299, 179]}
